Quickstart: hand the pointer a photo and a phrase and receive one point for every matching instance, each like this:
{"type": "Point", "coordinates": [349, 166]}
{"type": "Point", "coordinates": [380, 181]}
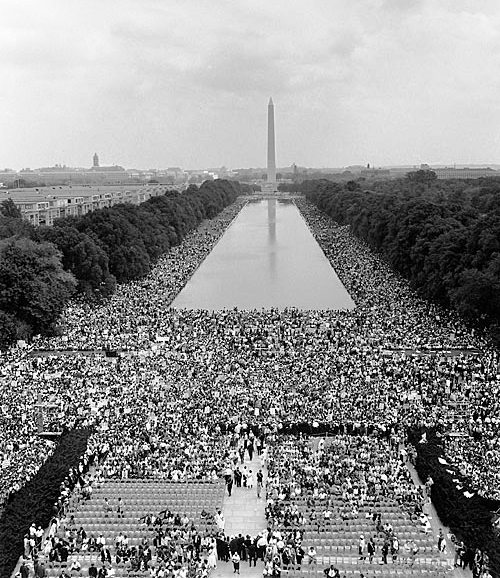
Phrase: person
{"type": "Point", "coordinates": [385, 551]}
{"type": "Point", "coordinates": [219, 520]}
{"type": "Point", "coordinates": [441, 541]}
{"type": "Point", "coordinates": [108, 508]}
{"type": "Point", "coordinates": [394, 549]}
{"type": "Point", "coordinates": [229, 484]}
{"type": "Point", "coordinates": [92, 571]}
{"type": "Point", "coordinates": [252, 553]}
{"type": "Point", "coordinates": [212, 559]}
{"type": "Point", "coordinates": [40, 570]}
{"type": "Point", "coordinates": [299, 555]}
{"type": "Point", "coordinates": [459, 552]}
{"type": "Point", "coordinates": [361, 547]}
{"type": "Point", "coordinates": [371, 549]}
{"type": "Point", "coordinates": [428, 488]}
{"type": "Point", "coordinates": [119, 508]}
{"type": "Point", "coordinates": [261, 546]}
{"type": "Point", "coordinates": [311, 554]}
{"type": "Point", "coordinates": [276, 567]}
{"type": "Point", "coordinates": [235, 559]}
{"type": "Point", "coordinates": [332, 572]}
{"type": "Point", "coordinates": [76, 568]}
{"type": "Point", "coordinates": [24, 570]}
{"type": "Point", "coordinates": [260, 482]}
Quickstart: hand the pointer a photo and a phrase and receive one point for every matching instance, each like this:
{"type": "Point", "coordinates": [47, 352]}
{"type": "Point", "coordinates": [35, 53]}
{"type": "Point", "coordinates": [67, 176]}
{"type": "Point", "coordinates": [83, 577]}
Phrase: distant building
{"type": "Point", "coordinates": [42, 205]}
{"type": "Point", "coordinates": [95, 162]}
{"type": "Point", "coordinates": [465, 173]}
{"type": "Point", "coordinates": [375, 173]}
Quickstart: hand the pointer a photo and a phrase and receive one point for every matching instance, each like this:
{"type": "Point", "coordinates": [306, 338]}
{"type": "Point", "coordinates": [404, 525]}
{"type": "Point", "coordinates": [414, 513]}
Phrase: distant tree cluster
{"type": "Point", "coordinates": [41, 267]}
{"type": "Point", "coordinates": [444, 236]}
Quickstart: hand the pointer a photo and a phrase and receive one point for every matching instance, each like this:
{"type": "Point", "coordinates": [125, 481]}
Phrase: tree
{"type": "Point", "coordinates": [9, 209]}
{"type": "Point", "coordinates": [8, 329]}
{"type": "Point", "coordinates": [11, 221]}
{"type": "Point", "coordinates": [423, 177]}
{"type": "Point", "coordinates": [353, 186]}
{"type": "Point", "coordinates": [477, 296]}
{"type": "Point", "coordinates": [33, 284]}
{"type": "Point", "coordinates": [82, 257]}
{"type": "Point", "coordinates": [443, 236]}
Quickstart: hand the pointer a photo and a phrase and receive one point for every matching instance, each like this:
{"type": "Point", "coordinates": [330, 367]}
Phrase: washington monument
{"type": "Point", "coordinates": [271, 152]}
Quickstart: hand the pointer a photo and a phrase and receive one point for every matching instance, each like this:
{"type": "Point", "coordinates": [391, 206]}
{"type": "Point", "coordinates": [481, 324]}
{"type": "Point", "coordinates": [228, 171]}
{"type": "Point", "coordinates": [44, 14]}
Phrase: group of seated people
{"type": "Point", "coordinates": [184, 381]}
{"type": "Point", "coordinates": [345, 483]}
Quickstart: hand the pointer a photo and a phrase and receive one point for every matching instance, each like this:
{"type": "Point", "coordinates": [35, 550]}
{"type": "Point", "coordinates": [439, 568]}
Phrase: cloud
{"type": "Point", "coordinates": [180, 82]}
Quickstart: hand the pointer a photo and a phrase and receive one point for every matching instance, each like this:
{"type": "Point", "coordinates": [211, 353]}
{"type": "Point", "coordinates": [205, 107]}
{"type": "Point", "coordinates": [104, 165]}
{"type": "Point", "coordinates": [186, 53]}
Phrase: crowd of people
{"type": "Point", "coordinates": [346, 482]}
{"type": "Point", "coordinates": [185, 381]}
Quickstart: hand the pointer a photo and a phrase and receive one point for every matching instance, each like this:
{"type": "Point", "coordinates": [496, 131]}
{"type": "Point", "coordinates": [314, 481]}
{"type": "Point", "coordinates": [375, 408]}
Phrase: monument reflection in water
{"type": "Point", "coordinates": [266, 258]}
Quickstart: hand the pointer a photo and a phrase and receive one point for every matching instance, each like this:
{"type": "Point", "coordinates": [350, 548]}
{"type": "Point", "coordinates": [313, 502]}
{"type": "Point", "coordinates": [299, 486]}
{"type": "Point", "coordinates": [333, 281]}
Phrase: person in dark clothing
{"type": "Point", "coordinates": [229, 485]}
{"type": "Point", "coordinates": [220, 546]}
{"type": "Point", "coordinates": [385, 552]}
{"type": "Point", "coordinates": [252, 553]}
{"type": "Point", "coordinates": [371, 550]}
{"type": "Point", "coordinates": [25, 571]}
{"type": "Point", "coordinates": [241, 548]}
{"type": "Point", "coordinates": [299, 555]}
{"type": "Point", "coordinates": [260, 482]}
{"type": "Point", "coordinates": [40, 569]}
{"type": "Point", "coordinates": [468, 558]}
{"type": "Point", "coordinates": [226, 552]}
{"type": "Point", "coordinates": [237, 477]}
{"type": "Point", "coordinates": [233, 545]}
{"type": "Point", "coordinates": [105, 555]}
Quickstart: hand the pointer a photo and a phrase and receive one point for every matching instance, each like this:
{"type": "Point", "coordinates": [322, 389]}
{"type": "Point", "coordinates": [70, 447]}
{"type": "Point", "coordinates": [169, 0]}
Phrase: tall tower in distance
{"type": "Point", "coordinates": [271, 148]}
{"type": "Point", "coordinates": [95, 163]}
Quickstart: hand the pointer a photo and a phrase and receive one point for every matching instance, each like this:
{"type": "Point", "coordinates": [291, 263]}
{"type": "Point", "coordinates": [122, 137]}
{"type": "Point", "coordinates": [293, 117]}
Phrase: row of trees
{"type": "Point", "coordinates": [34, 502]}
{"type": "Point", "coordinates": [41, 267]}
{"type": "Point", "coordinates": [470, 519]}
{"type": "Point", "coordinates": [442, 236]}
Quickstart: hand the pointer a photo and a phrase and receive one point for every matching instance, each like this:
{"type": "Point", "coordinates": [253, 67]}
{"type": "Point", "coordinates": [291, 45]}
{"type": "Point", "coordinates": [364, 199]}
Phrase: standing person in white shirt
{"type": "Point", "coordinates": [235, 559]}
{"type": "Point", "coordinates": [219, 520]}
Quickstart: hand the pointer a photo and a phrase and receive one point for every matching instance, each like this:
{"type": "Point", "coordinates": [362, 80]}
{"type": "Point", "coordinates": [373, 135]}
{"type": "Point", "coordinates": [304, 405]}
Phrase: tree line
{"type": "Point", "coordinates": [443, 236]}
{"type": "Point", "coordinates": [42, 267]}
{"type": "Point", "coordinates": [34, 502]}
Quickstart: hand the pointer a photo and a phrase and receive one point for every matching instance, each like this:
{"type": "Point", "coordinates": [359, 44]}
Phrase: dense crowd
{"type": "Point", "coordinates": [351, 481]}
{"type": "Point", "coordinates": [185, 382]}
{"type": "Point", "coordinates": [316, 489]}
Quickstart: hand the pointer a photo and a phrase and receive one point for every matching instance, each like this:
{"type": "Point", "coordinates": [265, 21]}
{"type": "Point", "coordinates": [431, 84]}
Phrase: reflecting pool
{"type": "Point", "coordinates": [266, 258]}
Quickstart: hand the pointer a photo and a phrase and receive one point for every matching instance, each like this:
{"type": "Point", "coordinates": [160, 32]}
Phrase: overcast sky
{"type": "Point", "coordinates": [157, 83]}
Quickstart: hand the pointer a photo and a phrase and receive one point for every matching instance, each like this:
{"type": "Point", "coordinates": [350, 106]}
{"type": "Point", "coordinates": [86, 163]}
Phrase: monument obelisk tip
{"type": "Point", "coordinates": [271, 103]}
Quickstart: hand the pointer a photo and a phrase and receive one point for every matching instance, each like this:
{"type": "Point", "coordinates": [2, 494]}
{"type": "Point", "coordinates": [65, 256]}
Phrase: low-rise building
{"type": "Point", "coordinates": [43, 205]}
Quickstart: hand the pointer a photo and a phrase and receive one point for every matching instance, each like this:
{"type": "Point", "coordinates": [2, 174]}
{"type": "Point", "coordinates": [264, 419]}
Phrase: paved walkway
{"type": "Point", "coordinates": [244, 514]}
{"type": "Point", "coordinates": [243, 511]}
{"type": "Point", "coordinates": [431, 513]}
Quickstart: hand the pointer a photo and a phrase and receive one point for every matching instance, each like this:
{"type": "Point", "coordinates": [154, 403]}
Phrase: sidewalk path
{"type": "Point", "coordinates": [244, 514]}
{"type": "Point", "coordinates": [431, 513]}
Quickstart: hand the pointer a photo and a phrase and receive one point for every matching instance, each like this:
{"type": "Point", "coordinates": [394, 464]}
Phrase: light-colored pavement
{"type": "Point", "coordinates": [244, 513]}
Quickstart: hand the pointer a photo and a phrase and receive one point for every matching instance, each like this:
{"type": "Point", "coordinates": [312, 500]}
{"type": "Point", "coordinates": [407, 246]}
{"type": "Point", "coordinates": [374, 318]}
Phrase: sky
{"type": "Point", "coordinates": [158, 83]}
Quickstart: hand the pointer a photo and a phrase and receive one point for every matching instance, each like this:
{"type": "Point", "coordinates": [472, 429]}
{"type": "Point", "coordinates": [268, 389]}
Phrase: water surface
{"type": "Point", "coordinates": [266, 258]}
